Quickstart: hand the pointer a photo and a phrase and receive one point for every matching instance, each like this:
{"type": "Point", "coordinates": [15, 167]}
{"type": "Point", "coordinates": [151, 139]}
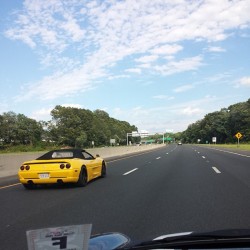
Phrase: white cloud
{"type": "Point", "coordinates": [24, 37]}
{"type": "Point", "coordinates": [178, 116]}
{"type": "Point", "coordinates": [64, 64]}
{"type": "Point", "coordinates": [134, 70]}
{"type": "Point", "coordinates": [145, 65]}
{"type": "Point", "coordinates": [166, 49]}
{"type": "Point", "coordinates": [51, 24]}
{"type": "Point", "coordinates": [147, 59]}
{"type": "Point", "coordinates": [118, 77]}
{"type": "Point", "coordinates": [103, 33]}
{"type": "Point", "coordinates": [244, 81]}
{"type": "Point", "coordinates": [42, 114]}
{"type": "Point", "coordinates": [222, 77]}
{"type": "Point", "coordinates": [55, 86]}
{"type": "Point", "coordinates": [191, 111]}
{"type": "Point", "coordinates": [216, 49]}
{"type": "Point", "coordinates": [174, 67]}
{"type": "Point", "coordinates": [72, 105]}
{"type": "Point", "coordinates": [155, 123]}
{"type": "Point", "coordinates": [104, 109]}
{"type": "Point", "coordinates": [73, 29]}
{"type": "Point", "coordinates": [183, 88]}
{"type": "Point", "coordinates": [165, 97]}
{"type": "Point", "coordinates": [127, 22]}
{"type": "Point", "coordinates": [116, 112]}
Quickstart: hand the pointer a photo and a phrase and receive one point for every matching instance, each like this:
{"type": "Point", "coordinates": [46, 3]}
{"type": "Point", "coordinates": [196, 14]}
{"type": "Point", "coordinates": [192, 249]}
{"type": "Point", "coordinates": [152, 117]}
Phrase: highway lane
{"type": "Point", "coordinates": [230, 162]}
{"type": "Point", "coordinates": [169, 190]}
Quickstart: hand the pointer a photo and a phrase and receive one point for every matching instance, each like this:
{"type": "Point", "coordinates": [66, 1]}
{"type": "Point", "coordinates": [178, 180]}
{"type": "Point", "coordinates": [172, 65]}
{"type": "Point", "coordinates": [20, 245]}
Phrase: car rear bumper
{"type": "Point", "coordinates": [68, 176]}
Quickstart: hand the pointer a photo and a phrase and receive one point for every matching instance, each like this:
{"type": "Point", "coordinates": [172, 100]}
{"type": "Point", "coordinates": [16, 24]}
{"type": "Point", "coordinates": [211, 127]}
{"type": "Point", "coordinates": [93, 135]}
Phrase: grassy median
{"type": "Point", "coordinates": [230, 146]}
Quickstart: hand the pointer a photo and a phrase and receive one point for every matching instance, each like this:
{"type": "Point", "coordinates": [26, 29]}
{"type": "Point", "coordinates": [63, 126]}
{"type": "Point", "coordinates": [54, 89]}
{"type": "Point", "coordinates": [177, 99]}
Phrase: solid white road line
{"type": "Point", "coordinates": [216, 170]}
{"type": "Point", "coordinates": [248, 156]}
{"type": "Point", "coordinates": [12, 185]}
{"type": "Point", "coordinates": [129, 172]}
{"type": "Point", "coordinates": [229, 152]}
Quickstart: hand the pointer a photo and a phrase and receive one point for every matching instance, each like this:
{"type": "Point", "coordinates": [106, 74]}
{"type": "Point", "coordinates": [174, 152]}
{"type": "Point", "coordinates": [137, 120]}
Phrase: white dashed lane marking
{"type": "Point", "coordinates": [216, 170]}
{"type": "Point", "coordinates": [131, 171]}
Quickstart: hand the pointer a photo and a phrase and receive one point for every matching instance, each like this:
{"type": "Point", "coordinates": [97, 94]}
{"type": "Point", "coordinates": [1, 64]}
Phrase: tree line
{"type": "Point", "coordinates": [223, 125]}
{"type": "Point", "coordinates": [77, 127]}
{"type": "Point", "coordinates": [69, 126]}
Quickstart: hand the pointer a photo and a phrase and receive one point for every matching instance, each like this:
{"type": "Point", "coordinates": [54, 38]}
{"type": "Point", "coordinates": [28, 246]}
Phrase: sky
{"type": "Point", "coordinates": [160, 65]}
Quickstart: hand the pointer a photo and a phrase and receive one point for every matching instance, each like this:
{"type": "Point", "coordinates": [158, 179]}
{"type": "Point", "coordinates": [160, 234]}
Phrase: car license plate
{"type": "Point", "coordinates": [44, 176]}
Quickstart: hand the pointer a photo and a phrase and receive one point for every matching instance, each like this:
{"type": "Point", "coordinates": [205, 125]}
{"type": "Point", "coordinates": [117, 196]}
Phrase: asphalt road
{"type": "Point", "coordinates": [172, 189]}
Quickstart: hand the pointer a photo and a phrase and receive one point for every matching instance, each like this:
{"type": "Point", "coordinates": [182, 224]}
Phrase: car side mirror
{"type": "Point", "coordinates": [97, 155]}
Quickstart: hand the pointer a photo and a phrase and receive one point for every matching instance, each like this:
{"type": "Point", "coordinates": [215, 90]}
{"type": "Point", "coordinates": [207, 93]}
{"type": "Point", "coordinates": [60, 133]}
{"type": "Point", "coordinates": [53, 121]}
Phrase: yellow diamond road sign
{"type": "Point", "coordinates": [238, 135]}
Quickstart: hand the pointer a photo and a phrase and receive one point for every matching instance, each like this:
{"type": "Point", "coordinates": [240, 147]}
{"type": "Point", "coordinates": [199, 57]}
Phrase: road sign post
{"type": "Point", "coordinates": [238, 136]}
{"type": "Point", "coordinates": [214, 139]}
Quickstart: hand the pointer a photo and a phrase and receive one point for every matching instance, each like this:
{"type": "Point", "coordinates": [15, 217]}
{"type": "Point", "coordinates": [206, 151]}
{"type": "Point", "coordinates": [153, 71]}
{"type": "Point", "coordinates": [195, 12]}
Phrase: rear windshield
{"type": "Point", "coordinates": [60, 154]}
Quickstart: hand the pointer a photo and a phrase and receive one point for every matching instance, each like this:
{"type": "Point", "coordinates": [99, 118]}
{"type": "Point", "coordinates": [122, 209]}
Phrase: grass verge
{"type": "Point", "coordinates": [230, 146]}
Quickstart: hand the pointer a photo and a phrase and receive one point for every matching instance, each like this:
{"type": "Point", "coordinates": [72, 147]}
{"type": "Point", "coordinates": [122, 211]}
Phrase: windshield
{"type": "Point", "coordinates": [62, 154]}
{"type": "Point", "coordinates": [156, 92]}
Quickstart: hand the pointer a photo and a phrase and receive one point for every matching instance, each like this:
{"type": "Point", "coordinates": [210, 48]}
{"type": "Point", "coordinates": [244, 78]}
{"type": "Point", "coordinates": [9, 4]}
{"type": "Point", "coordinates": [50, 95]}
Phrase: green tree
{"type": "Point", "coordinates": [81, 140]}
{"type": "Point", "coordinates": [74, 127]}
{"type": "Point", "coordinates": [29, 131]}
{"type": "Point", "coordinates": [9, 127]}
{"type": "Point", "coordinates": [18, 129]}
{"type": "Point", "coordinates": [68, 124]}
{"type": "Point", "coordinates": [223, 125]}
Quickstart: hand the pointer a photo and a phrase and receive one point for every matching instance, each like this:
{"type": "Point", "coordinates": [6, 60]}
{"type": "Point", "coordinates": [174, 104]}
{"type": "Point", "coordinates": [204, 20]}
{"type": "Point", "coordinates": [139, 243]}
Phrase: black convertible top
{"type": "Point", "coordinates": [68, 153]}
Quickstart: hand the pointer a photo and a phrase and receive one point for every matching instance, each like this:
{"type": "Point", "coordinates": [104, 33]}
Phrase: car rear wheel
{"type": "Point", "coordinates": [83, 179]}
{"type": "Point", "coordinates": [104, 171]}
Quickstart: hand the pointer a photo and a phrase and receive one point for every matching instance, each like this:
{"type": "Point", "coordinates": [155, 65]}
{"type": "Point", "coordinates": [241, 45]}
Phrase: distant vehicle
{"type": "Point", "coordinates": [179, 143]}
{"type": "Point", "coordinates": [62, 166]}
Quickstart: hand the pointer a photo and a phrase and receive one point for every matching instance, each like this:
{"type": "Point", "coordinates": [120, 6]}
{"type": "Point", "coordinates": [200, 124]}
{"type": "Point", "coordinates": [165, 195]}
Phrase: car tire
{"type": "Point", "coordinates": [104, 170]}
{"type": "Point", "coordinates": [83, 178]}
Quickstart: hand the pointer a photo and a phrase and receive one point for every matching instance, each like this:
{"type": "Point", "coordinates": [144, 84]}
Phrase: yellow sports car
{"type": "Point", "coordinates": [62, 166]}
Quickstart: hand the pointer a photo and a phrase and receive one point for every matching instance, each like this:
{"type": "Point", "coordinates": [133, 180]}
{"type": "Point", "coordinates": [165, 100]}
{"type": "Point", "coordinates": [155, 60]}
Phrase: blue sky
{"type": "Point", "coordinates": [160, 65]}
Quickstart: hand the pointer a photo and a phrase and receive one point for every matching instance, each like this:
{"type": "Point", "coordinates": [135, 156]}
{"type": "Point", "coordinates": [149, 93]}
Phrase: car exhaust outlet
{"type": "Point", "coordinates": [60, 181]}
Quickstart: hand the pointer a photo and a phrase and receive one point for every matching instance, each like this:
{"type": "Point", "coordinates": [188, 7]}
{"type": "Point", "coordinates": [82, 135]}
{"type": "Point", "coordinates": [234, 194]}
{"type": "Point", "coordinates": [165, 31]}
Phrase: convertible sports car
{"type": "Point", "coordinates": [62, 166]}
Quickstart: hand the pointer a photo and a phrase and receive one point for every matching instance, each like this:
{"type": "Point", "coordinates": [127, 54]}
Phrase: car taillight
{"type": "Point", "coordinates": [62, 166]}
{"type": "Point", "coordinates": [68, 165]}
{"type": "Point", "coordinates": [27, 167]}
{"type": "Point", "coordinates": [22, 167]}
